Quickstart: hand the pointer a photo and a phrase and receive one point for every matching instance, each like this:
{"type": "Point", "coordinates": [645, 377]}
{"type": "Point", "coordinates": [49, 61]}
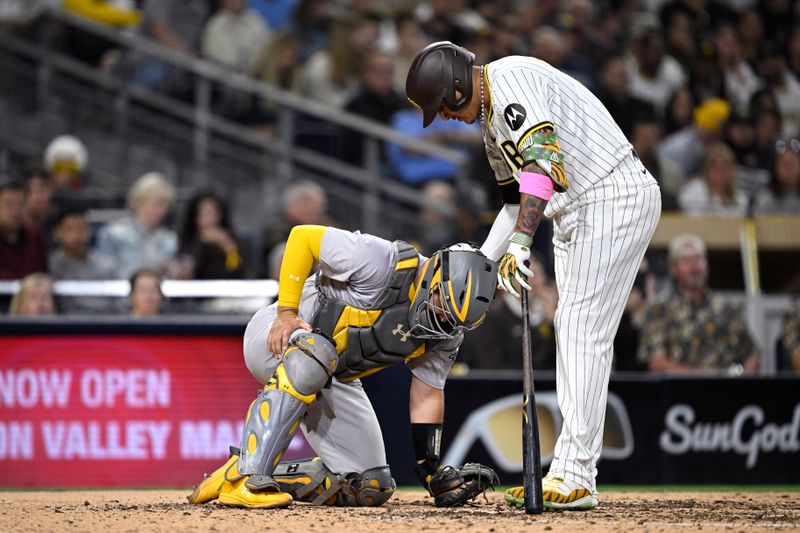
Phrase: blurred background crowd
{"type": "Point", "coordinates": [707, 91]}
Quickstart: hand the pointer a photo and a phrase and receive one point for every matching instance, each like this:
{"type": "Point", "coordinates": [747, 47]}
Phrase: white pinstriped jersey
{"type": "Point", "coordinates": [527, 95]}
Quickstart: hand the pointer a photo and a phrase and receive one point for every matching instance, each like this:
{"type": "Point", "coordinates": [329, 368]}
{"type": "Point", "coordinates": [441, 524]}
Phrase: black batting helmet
{"type": "Point", "coordinates": [435, 74]}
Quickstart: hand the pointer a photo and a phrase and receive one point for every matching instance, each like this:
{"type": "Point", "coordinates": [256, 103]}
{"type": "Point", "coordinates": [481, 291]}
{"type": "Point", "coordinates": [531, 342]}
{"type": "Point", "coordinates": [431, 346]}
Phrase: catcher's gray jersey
{"type": "Point", "coordinates": [342, 427]}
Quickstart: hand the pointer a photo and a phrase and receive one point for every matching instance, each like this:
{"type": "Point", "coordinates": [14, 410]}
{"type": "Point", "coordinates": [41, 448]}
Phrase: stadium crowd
{"type": "Point", "coordinates": [707, 91]}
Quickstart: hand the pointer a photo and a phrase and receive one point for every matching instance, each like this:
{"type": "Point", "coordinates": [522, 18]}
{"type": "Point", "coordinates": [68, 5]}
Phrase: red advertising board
{"type": "Point", "coordinates": [121, 410]}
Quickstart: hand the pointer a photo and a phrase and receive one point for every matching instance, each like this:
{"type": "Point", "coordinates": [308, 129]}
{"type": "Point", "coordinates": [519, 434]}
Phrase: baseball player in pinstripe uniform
{"type": "Point", "coordinates": [372, 304]}
{"type": "Point", "coordinates": [555, 152]}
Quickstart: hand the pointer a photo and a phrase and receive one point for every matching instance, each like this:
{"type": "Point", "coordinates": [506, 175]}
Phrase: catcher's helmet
{"type": "Point", "coordinates": [457, 285]}
{"type": "Point", "coordinates": [435, 74]}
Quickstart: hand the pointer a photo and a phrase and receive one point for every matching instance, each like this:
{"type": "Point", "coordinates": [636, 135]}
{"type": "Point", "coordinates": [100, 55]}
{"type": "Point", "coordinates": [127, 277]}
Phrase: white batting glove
{"type": "Point", "coordinates": [512, 264]}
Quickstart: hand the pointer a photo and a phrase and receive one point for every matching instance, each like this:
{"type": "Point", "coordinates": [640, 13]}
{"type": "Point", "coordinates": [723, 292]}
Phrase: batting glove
{"type": "Point", "coordinates": [514, 263]}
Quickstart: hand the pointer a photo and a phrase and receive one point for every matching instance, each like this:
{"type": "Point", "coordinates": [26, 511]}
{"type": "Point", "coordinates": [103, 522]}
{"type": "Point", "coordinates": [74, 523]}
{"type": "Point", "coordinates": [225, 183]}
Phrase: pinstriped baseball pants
{"type": "Point", "coordinates": [599, 244]}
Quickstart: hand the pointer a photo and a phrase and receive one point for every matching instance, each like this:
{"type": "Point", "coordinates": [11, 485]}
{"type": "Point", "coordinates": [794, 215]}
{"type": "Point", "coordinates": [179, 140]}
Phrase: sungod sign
{"type": "Point", "coordinates": [748, 433]}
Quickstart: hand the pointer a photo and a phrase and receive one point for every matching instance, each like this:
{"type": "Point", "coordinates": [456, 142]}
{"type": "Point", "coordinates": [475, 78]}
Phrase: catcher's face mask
{"type": "Point", "coordinates": [456, 286]}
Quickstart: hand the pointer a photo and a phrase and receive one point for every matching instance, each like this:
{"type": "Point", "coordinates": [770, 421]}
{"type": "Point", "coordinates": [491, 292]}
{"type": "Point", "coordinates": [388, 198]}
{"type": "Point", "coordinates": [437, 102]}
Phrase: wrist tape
{"type": "Point", "coordinates": [523, 239]}
{"type": "Point", "coordinates": [427, 445]}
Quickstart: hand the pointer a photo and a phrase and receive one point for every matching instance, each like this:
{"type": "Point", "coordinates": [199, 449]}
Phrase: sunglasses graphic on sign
{"type": "Point", "coordinates": [498, 425]}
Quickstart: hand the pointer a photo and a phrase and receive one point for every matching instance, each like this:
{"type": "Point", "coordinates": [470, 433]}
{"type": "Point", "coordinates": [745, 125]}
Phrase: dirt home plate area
{"type": "Point", "coordinates": [165, 510]}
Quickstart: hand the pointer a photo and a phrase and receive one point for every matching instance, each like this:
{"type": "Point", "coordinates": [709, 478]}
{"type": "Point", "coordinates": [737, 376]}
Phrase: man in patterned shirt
{"type": "Point", "coordinates": [695, 330]}
{"type": "Point", "coordinates": [791, 339]}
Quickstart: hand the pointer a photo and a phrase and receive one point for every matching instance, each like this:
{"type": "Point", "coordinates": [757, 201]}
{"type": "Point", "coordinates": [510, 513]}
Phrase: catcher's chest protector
{"type": "Point", "coordinates": [369, 340]}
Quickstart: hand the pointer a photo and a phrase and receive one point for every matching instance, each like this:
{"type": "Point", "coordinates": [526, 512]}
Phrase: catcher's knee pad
{"type": "Point", "coordinates": [274, 416]}
{"type": "Point", "coordinates": [310, 481]}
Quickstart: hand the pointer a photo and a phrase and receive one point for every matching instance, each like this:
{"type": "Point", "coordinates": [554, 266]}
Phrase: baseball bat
{"type": "Point", "coordinates": [531, 454]}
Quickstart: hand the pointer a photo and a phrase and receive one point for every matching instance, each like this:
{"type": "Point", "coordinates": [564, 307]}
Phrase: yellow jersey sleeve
{"type": "Point", "coordinates": [302, 251]}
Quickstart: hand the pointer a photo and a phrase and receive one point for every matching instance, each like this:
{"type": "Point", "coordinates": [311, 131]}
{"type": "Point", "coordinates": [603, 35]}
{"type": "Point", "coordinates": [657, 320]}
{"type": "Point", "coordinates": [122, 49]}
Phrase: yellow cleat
{"type": "Point", "coordinates": [557, 495]}
{"type": "Point", "coordinates": [236, 494]}
{"type": "Point", "coordinates": [211, 486]}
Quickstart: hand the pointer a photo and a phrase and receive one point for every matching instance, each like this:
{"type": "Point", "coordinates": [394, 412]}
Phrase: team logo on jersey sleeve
{"type": "Point", "coordinates": [515, 116]}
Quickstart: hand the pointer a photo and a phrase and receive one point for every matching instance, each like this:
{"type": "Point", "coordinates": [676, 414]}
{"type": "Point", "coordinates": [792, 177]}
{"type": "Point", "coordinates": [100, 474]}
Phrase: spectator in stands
{"type": "Point", "coordinates": [34, 297]}
{"type": "Point", "coordinates": [507, 35]}
{"type": "Point", "coordinates": [790, 341]}
{"type": "Point", "coordinates": [693, 329]}
{"type": "Point", "coordinates": [72, 259]}
{"type": "Point", "coordinates": [767, 134]}
{"type": "Point", "coordinates": [705, 78]}
{"type": "Point", "coordinates": [740, 79]}
{"type": "Point", "coordinates": [208, 241]}
{"type": "Point", "coordinates": [176, 24]}
{"type": "Point", "coordinates": [415, 169]}
{"type": "Point", "coordinates": [40, 210]}
{"type": "Point", "coordinates": [138, 240]}
{"type": "Point", "coordinates": [304, 202]}
{"type": "Point", "coordinates": [376, 100]}
{"type": "Point", "coordinates": [548, 45]}
{"type": "Point", "coordinates": [679, 39]}
{"type": "Point", "coordinates": [715, 191]}
{"type": "Point", "coordinates": [750, 28]}
{"type": "Point", "coordinates": [626, 341]}
{"type": "Point", "coordinates": [653, 76]}
{"type": "Point", "coordinates": [645, 136]}
{"type": "Point", "coordinates": [331, 74]}
{"type": "Point", "coordinates": [783, 85]}
{"type": "Point", "coordinates": [498, 345]}
{"type": "Point", "coordinates": [587, 47]}
{"type": "Point", "coordinates": [740, 136]}
{"type": "Point", "coordinates": [64, 159]}
{"type": "Point", "coordinates": [22, 248]}
{"type": "Point", "coordinates": [613, 92]}
{"type": "Point", "coordinates": [793, 52]}
{"type": "Point", "coordinates": [683, 153]}
{"type": "Point", "coordinates": [310, 23]}
{"type": "Point", "coordinates": [783, 193]}
{"type": "Point", "coordinates": [234, 35]}
{"type": "Point", "coordinates": [679, 111]}
{"type": "Point", "coordinates": [450, 20]}
{"type": "Point", "coordinates": [437, 216]}
{"type": "Point", "coordinates": [146, 297]}
{"type": "Point", "coordinates": [278, 62]}
{"type": "Point", "coordinates": [779, 17]}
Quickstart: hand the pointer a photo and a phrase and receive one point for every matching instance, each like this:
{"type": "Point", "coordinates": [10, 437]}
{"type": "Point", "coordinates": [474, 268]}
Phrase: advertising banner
{"type": "Point", "coordinates": [657, 429]}
{"type": "Point", "coordinates": [121, 410]}
{"type": "Point", "coordinates": [130, 407]}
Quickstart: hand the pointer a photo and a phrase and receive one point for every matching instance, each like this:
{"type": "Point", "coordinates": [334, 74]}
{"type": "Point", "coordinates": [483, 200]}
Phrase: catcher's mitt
{"type": "Point", "coordinates": [452, 487]}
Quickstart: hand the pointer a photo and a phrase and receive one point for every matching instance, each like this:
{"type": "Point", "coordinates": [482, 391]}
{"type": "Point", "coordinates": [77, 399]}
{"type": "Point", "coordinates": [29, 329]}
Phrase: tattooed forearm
{"type": "Point", "coordinates": [531, 210]}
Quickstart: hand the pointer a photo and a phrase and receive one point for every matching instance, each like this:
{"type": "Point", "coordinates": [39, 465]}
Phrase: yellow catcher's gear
{"type": "Point", "coordinates": [274, 416]}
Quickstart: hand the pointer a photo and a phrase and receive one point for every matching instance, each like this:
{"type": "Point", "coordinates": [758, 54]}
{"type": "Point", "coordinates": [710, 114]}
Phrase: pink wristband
{"type": "Point", "coordinates": [537, 185]}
